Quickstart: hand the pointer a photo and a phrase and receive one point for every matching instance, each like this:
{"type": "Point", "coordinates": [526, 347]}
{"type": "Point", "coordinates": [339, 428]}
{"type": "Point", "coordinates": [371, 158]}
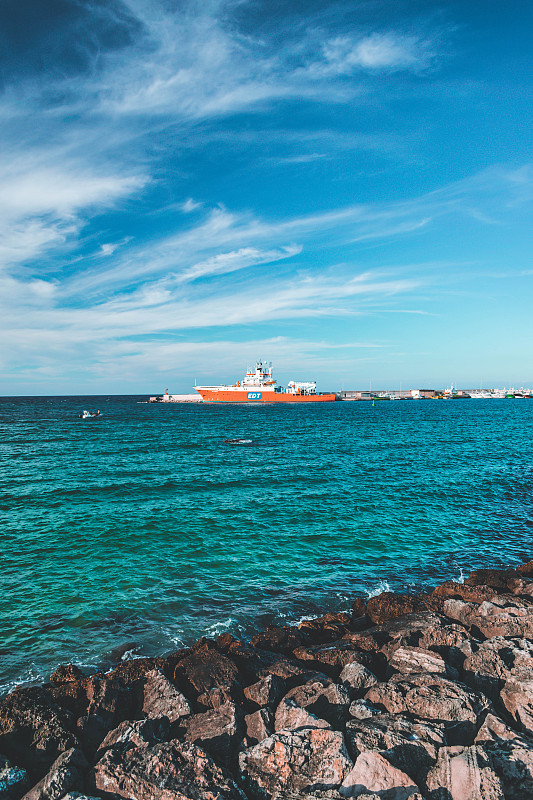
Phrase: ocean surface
{"type": "Point", "coordinates": [142, 530]}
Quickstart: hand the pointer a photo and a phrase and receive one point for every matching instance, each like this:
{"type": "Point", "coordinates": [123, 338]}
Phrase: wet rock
{"type": "Point", "coordinates": [295, 761]}
{"type": "Point", "coordinates": [66, 773]}
{"type": "Point", "coordinates": [266, 692]}
{"type": "Point", "coordinates": [493, 729]}
{"type": "Point", "coordinates": [409, 744]}
{"type": "Point", "coordinates": [14, 781]}
{"type": "Point", "coordinates": [135, 669]}
{"type": "Point", "coordinates": [503, 580]}
{"type": "Point", "coordinates": [357, 678]}
{"type": "Point", "coordinates": [433, 697]}
{"type": "Point", "coordinates": [66, 673]}
{"type": "Point", "coordinates": [280, 639]}
{"type": "Point", "coordinates": [417, 659]}
{"type": "Point", "coordinates": [332, 658]}
{"type": "Point", "coordinates": [205, 669]}
{"type": "Point", "coordinates": [320, 697]}
{"type": "Point", "coordinates": [492, 619]}
{"type": "Point", "coordinates": [517, 697]}
{"type": "Point", "coordinates": [463, 591]}
{"type": "Point", "coordinates": [219, 731]}
{"type": "Point", "coordinates": [389, 605]}
{"type": "Point", "coordinates": [513, 762]}
{"type": "Point", "coordinates": [161, 698]}
{"type": "Point", "coordinates": [143, 733]}
{"type": "Point", "coordinates": [169, 771]}
{"type": "Point", "coordinates": [34, 730]}
{"type": "Point", "coordinates": [463, 773]}
{"type": "Point", "coordinates": [327, 628]}
{"type": "Point", "coordinates": [259, 726]}
{"type": "Point", "coordinates": [373, 773]}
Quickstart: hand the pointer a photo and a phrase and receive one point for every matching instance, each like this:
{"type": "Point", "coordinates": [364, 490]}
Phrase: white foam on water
{"type": "Point", "coordinates": [383, 586]}
{"type": "Point", "coordinates": [220, 627]}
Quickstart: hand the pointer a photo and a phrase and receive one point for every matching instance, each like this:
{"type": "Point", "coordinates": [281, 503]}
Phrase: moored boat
{"type": "Point", "coordinates": [258, 386]}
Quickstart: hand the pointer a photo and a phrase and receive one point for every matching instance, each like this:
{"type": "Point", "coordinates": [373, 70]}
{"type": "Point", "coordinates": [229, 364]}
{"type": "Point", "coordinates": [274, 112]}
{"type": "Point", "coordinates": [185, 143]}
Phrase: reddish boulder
{"type": "Point", "coordinates": [357, 678]}
{"type": "Point", "coordinates": [295, 761]}
{"type": "Point", "coordinates": [326, 628]}
{"type": "Point", "coordinates": [290, 716]}
{"type": "Point", "coordinates": [497, 618]}
{"type": "Point", "coordinates": [517, 697]}
{"type": "Point", "coordinates": [373, 773]}
{"type": "Point", "coordinates": [266, 692]}
{"type": "Point", "coordinates": [219, 731]}
{"type": "Point", "coordinates": [332, 658]}
{"type": "Point", "coordinates": [143, 733]}
{"type": "Point", "coordinates": [65, 673]}
{"type": "Point", "coordinates": [494, 729]}
{"type": "Point", "coordinates": [389, 605]}
{"type": "Point", "coordinates": [162, 699]}
{"type": "Point", "coordinates": [279, 639]}
{"type": "Point", "coordinates": [463, 773]}
{"type": "Point", "coordinates": [323, 698]}
{"type": "Point", "coordinates": [204, 669]}
{"type": "Point", "coordinates": [169, 771]}
{"type": "Point", "coordinates": [408, 660]}
{"type": "Point", "coordinates": [259, 726]}
{"type": "Point", "coordinates": [34, 730]}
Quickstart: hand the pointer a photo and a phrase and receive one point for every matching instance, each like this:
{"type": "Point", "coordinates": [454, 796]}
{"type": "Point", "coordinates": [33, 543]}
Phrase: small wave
{"type": "Point", "coordinates": [383, 586]}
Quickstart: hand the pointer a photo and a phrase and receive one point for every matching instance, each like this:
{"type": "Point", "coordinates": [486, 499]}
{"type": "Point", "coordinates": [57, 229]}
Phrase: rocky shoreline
{"type": "Point", "coordinates": [407, 697]}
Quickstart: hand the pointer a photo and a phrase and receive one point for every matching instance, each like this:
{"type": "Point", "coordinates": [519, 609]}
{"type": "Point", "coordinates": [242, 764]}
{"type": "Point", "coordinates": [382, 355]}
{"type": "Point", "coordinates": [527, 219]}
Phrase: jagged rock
{"type": "Point", "coordinates": [362, 709]}
{"type": "Point", "coordinates": [14, 781]}
{"type": "Point", "coordinates": [326, 628]}
{"type": "Point", "coordinates": [135, 669]}
{"type": "Point", "coordinates": [78, 796]}
{"type": "Point", "coordinates": [203, 669]}
{"type": "Point", "coordinates": [492, 619]}
{"type": "Point", "coordinates": [432, 697]}
{"type": "Point", "coordinates": [219, 731]}
{"type": "Point", "coordinates": [143, 733]}
{"type": "Point", "coordinates": [259, 726]}
{"type": "Point", "coordinates": [279, 639]}
{"type": "Point", "coordinates": [290, 672]}
{"type": "Point", "coordinates": [71, 694]}
{"type": "Point", "coordinates": [493, 729]}
{"type": "Point", "coordinates": [357, 677]}
{"type": "Point", "coordinates": [463, 773]}
{"type": "Point", "coordinates": [410, 745]}
{"type": "Point", "coordinates": [66, 673]}
{"type": "Point", "coordinates": [290, 716]}
{"type": "Point", "coordinates": [464, 591]}
{"type": "Point", "coordinates": [321, 697]}
{"type": "Point", "coordinates": [517, 697]}
{"type": "Point", "coordinates": [34, 730]}
{"type": "Point", "coordinates": [266, 692]}
{"type": "Point", "coordinates": [295, 761]}
{"type": "Point", "coordinates": [161, 698]}
{"type": "Point", "coordinates": [417, 659]}
{"type": "Point", "coordinates": [169, 771]}
{"type": "Point", "coordinates": [66, 773]}
{"type": "Point", "coordinates": [109, 699]}
{"type": "Point", "coordinates": [373, 773]}
{"type": "Point", "coordinates": [485, 670]}
{"type": "Point", "coordinates": [332, 658]}
{"type": "Point", "coordinates": [389, 605]}
{"type": "Point", "coordinates": [513, 762]}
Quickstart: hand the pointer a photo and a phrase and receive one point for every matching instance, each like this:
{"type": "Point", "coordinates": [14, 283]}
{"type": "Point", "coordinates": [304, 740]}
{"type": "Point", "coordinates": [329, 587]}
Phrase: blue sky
{"type": "Point", "coordinates": [342, 188]}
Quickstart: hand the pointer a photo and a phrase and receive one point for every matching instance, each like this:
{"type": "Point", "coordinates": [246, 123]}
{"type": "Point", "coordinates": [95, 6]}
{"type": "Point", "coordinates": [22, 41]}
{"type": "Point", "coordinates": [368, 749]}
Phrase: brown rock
{"type": "Point", "coordinates": [34, 730]}
{"type": "Point", "coordinates": [373, 773]}
{"type": "Point", "coordinates": [219, 731]}
{"type": "Point", "coordinates": [72, 695]}
{"type": "Point", "coordinates": [332, 658]}
{"type": "Point", "coordinates": [289, 672]}
{"type": "Point", "coordinates": [135, 669]}
{"type": "Point", "coordinates": [357, 678]}
{"type": "Point", "coordinates": [290, 716]}
{"type": "Point", "coordinates": [409, 744]}
{"type": "Point", "coordinates": [464, 591]}
{"type": "Point", "coordinates": [326, 628]}
{"type": "Point", "coordinates": [321, 697]}
{"type": "Point", "coordinates": [109, 699]}
{"type": "Point", "coordinates": [463, 773]}
{"type": "Point", "coordinates": [494, 729]}
{"type": "Point", "coordinates": [492, 619]}
{"type": "Point", "coordinates": [143, 733]}
{"type": "Point", "coordinates": [432, 697]}
{"type": "Point", "coordinates": [295, 761]}
{"type": "Point", "coordinates": [66, 773]}
{"type": "Point", "coordinates": [205, 669]}
{"type": "Point", "coordinates": [65, 673]}
{"type": "Point", "coordinates": [517, 697]}
{"type": "Point", "coordinates": [259, 726]}
{"type": "Point", "coordinates": [485, 669]}
{"type": "Point", "coordinates": [359, 607]}
{"type": "Point", "coordinates": [266, 692]}
{"type": "Point", "coordinates": [389, 605]}
{"type": "Point", "coordinates": [362, 709]}
{"type": "Point", "coordinates": [279, 639]}
{"type": "Point", "coordinates": [161, 698]}
{"type": "Point", "coordinates": [408, 660]}
{"type": "Point", "coordinates": [170, 771]}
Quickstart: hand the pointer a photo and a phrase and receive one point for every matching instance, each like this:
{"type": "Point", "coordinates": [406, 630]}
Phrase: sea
{"type": "Point", "coordinates": [138, 532]}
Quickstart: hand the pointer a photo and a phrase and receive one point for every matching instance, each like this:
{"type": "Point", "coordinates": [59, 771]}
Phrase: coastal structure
{"type": "Point", "coordinates": [258, 386]}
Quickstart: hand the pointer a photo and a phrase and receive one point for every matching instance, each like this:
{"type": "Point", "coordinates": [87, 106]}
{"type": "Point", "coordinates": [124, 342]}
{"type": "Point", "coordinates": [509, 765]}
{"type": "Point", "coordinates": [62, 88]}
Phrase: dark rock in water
{"type": "Point", "coordinates": [34, 730]}
{"type": "Point", "coordinates": [219, 731]}
{"type": "Point", "coordinates": [67, 672]}
{"type": "Point", "coordinates": [327, 628]}
{"type": "Point", "coordinates": [464, 772]}
{"type": "Point", "coordinates": [389, 605]}
{"type": "Point", "coordinates": [280, 639]}
{"type": "Point", "coordinates": [134, 670]}
{"type": "Point", "coordinates": [169, 771]}
{"type": "Point", "coordinates": [295, 761]}
{"type": "Point", "coordinates": [373, 773]}
{"type": "Point", "coordinates": [161, 698]}
{"type": "Point", "coordinates": [66, 773]}
{"type": "Point", "coordinates": [464, 591]}
{"type": "Point", "coordinates": [259, 726]}
{"type": "Point", "coordinates": [14, 781]}
{"type": "Point", "coordinates": [205, 668]}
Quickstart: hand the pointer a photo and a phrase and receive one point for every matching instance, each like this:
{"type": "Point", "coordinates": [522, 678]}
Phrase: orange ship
{"type": "Point", "coordinates": [258, 386]}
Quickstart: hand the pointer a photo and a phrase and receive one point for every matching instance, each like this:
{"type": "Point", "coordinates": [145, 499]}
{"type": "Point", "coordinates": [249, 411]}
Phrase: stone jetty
{"type": "Point", "coordinates": [405, 698]}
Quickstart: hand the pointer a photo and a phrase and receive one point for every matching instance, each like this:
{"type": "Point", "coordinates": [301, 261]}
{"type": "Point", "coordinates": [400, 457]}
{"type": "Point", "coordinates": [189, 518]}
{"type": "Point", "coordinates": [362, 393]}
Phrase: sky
{"type": "Point", "coordinates": [342, 188]}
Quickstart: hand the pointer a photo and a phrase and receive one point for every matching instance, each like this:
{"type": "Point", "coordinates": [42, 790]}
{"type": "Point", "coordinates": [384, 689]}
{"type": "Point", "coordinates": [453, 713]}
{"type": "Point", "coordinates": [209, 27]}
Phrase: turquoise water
{"type": "Point", "coordinates": [142, 530]}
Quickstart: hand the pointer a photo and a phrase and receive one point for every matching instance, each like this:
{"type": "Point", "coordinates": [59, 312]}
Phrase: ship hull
{"type": "Point", "coordinates": [230, 396]}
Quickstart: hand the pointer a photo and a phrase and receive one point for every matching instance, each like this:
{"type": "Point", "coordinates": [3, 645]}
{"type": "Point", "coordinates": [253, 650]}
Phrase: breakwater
{"type": "Point", "coordinates": [413, 697]}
